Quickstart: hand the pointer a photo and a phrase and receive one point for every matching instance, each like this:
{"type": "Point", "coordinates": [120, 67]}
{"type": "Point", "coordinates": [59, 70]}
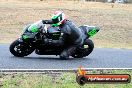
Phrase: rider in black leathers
{"type": "Point", "coordinates": [71, 36]}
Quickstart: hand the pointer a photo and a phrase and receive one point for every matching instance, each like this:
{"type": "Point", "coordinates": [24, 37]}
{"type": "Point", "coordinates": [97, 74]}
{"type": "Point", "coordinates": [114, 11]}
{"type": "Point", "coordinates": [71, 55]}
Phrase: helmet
{"type": "Point", "coordinates": [58, 18]}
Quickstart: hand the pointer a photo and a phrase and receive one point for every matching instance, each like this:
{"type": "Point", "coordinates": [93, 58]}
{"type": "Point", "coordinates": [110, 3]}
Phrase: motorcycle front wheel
{"type": "Point", "coordinates": [20, 49]}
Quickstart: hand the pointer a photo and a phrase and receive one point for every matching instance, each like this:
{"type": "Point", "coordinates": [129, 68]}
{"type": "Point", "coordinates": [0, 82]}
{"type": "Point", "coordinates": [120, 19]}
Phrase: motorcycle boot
{"type": "Point", "coordinates": [67, 52]}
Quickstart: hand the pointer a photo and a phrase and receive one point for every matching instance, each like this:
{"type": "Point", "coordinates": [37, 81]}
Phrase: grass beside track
{"type": "Point", "coordinates": [115, 20]}
{"type": "Point", "coordinates": [62, 80]}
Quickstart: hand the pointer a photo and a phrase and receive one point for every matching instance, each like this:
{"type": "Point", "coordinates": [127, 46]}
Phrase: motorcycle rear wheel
{"type": "Point", "coordinates": [20, 49]}
{"type": "Point", "coordinates": [84, 51]}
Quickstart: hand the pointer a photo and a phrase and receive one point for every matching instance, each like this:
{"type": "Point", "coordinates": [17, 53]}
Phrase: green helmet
{"type": "Point", "coordinates": [58, 18]}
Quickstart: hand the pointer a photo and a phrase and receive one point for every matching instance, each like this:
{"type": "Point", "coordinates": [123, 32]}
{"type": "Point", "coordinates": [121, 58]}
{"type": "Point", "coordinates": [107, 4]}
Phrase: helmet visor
{"type": "Point", "coordinates": [55, 20]}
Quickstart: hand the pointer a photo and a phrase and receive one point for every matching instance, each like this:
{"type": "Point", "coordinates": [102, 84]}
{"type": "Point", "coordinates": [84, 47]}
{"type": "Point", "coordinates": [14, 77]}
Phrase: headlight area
{"type": "Point", "coordinates": [28, 37]}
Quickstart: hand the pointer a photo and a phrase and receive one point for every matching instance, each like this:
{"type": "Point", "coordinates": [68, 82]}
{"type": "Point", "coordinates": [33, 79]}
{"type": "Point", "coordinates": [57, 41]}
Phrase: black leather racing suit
{"type": "Point", "coordinates": [72, 37]}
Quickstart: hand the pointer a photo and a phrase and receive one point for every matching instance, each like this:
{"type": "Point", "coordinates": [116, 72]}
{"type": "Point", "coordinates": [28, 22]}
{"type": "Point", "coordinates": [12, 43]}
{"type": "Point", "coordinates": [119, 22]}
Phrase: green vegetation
{"type": "Point", "coordinates": [62, 80]}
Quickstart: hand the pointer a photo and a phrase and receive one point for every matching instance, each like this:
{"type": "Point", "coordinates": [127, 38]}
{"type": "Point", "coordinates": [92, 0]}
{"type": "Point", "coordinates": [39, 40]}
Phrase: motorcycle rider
{"type": "Point", "coordinates": [71, 36]}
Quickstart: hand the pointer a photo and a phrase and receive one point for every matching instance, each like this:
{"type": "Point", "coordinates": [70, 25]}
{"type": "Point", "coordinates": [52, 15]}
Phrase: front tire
{"type": "Point", "coordinates": [20, 49]}
{"type": "Point", "coordinates": [82, 51]}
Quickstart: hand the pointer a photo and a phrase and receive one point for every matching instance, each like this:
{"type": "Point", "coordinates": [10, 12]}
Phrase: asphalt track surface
{"type": "Point", "coordinates": [99, 58]}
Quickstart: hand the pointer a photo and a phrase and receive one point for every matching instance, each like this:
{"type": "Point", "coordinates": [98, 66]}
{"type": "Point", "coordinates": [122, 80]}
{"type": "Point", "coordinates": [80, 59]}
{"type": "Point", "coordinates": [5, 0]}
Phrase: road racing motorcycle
{"type": "Point", "coordinates": [31, 41]}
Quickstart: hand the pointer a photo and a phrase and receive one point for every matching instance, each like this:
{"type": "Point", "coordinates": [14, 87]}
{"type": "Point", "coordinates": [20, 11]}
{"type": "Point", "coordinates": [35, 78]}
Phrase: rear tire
{"type": "Point", "coordinates": [82, 52]}
{"type": "Point", "coordinates": [20, 49]}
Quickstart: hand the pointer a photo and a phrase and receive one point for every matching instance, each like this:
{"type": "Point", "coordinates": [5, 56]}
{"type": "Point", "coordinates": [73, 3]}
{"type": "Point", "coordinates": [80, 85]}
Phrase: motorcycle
{"type": "Point", "coordinates": [33, 41]}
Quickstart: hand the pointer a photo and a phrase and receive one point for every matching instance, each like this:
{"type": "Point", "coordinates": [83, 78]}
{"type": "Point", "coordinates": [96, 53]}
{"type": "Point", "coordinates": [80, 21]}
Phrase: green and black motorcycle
{"type": "Point", "coordinates": [33, 41]}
